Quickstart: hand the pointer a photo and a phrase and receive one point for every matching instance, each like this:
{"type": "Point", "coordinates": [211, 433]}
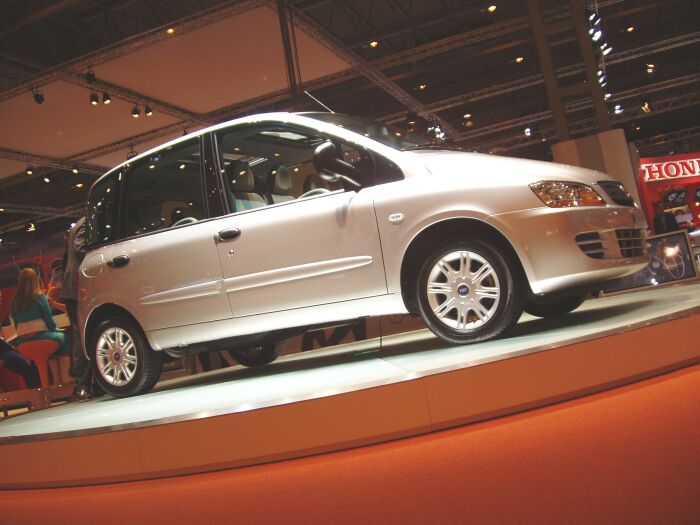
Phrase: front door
{"type": "Point", "coordinates": [313, 251]}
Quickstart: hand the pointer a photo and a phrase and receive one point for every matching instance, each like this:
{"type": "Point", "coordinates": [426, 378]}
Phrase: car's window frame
{"type": "Point", "coordinates": [117, 213]}
{"type": "Point", "coordinates": [299, 128]}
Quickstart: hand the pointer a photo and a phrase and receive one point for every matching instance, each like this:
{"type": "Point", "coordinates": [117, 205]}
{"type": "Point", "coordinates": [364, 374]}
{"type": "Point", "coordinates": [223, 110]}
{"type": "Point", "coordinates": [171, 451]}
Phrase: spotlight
{"type": "Point", "coordinates": [135, 112]}
{"type": "Point", "coordinates": [651, 69]}
{"type": "Point", "coordinates": [47, 180]}
{"type": "Point", "coordinates": [492, 8]}
{"type": "Point", "coordinates": [29, 170]}
{"type": "Point", "coordinates": [646, 108]}
{"type": "Point", "coordinates": [607, 96]}
{"type": "Point", "coordinates": [601, 79]}
{"type": "Point", "coordinates": [170, 31]}
{"type": "Point", "coordinates": [630, 29]}
{"type": "Point", "coordinates": [31, 227]}
{"type": "Point", "coordinates": [94, 99]}
{"type": "Point", "coordinates": [374, 44]}
{"type": "Point", "coordinates": [596, 35]}
{"type": "Point", "coordinates": [79, 185]}
{"type": "Point", "coordinates": [75, 170]}
{"type": "Point", "coordinates": [606, 48]}
{"type": "Point", "coordinates": [106, 99]}
{"type": "Point", "coordinates": [618, 109]}
{"type": "Point", "coordinates": [422, 87]}
{"type": "Point", "coordinates": [519, 60]}
{"type": "Point", "coordinates": [594, 18]}
{"type": "Point", "coordinates": [147, 111]}
{"type": "Point", "coordinates": [527, 132]}
{"type": "Point", "coordinates": [38, 97]}
{"type": "Point", "coordinates": [90, 76]}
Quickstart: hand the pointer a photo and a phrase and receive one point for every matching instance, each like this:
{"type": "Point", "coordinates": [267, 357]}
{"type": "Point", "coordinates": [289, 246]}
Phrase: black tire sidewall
{"type": "Point", "coordinates": [148, 362]}
{"type": "Point", "coordinates": [509, 307]}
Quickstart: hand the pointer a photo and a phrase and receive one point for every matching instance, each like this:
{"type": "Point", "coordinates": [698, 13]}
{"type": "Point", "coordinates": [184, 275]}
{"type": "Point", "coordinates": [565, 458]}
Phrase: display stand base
{"type": "Point", "coordinates": [330, 400]}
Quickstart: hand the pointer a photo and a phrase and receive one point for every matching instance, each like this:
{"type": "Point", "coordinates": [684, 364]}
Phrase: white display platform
{"type": "Point", "coordinates": [352, 395]}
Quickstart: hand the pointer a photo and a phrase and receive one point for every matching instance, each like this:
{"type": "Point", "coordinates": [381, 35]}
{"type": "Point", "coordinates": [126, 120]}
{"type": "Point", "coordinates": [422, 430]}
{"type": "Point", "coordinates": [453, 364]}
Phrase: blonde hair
{"type": "Point", "coordinates": [28, 289]}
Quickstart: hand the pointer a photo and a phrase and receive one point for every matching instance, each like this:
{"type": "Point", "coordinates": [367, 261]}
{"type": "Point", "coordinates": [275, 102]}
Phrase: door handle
{"type": "Point", "coordinates": [118, 261]}
{"type": "Point", "coordinates": [228, 235]}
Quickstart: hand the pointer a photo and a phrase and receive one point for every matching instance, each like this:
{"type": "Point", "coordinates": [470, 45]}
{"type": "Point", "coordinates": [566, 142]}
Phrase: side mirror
{"type": "Point", "coordinates": [331, 167]}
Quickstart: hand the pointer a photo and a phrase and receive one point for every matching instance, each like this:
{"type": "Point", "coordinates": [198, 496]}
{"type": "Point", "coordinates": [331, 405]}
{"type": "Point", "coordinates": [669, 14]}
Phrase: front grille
{"type": "Point", "coordinates": [591, 244]}
{"type": "Point", "coordinates": [616, 192]}
{"type": "Point", "coordinates": [613, 244]}
{"type": "Point", "coordinates": [631, 242]}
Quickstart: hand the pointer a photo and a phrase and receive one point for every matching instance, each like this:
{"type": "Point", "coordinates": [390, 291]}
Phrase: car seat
{"type": "Point", "coordinates": [281, 186]}
{"type": "Point", "coordinates": [242, 184]}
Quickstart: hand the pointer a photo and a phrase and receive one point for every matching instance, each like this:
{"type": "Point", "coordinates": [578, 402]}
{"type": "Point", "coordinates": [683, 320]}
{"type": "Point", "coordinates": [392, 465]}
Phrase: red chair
{"type": "Point", "coordinates": [39, 351]}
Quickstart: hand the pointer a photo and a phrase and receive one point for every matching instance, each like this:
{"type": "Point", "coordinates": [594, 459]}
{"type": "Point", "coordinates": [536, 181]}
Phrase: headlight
{"type": "Point", "coordinates": [566, 194]}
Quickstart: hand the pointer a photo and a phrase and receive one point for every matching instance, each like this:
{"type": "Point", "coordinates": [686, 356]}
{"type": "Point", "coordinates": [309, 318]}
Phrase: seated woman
{"type": "Point", "coordinates": [18, 364]}
{"type": "Point", "coordinates": [33, 321]}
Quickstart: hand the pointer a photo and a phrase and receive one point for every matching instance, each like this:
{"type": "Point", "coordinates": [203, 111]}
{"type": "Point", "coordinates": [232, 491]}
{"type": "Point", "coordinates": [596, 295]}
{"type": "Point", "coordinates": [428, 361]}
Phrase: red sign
{"type": "Point", "coordinates": [669, 168]}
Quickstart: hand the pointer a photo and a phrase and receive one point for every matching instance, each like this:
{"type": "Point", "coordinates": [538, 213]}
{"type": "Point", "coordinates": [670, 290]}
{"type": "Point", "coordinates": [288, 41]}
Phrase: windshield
{"type": "Point", "coordinates": [388, 135]}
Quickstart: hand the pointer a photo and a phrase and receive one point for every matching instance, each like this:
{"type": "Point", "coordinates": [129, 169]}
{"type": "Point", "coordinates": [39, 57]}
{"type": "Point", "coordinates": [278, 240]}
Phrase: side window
{"type": "Point", "coordinates": [102, 210]}
{"type": "Point", "coordinates": [268, 164]}
{"type": "Point", "coordinates": [165, 189]}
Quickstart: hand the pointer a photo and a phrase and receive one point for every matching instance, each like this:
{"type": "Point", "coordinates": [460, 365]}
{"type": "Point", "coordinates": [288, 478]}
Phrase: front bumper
{"type": "Point", "coordinates": [575, 247]}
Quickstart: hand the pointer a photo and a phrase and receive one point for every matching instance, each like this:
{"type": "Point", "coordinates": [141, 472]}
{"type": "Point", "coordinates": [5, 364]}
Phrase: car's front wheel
{"type": "Point", "coordinates": [258, 355]}
{"type": "Point", "coordinates": [467, 292]}
{"type": "Point", "coordinates": [123, 363]}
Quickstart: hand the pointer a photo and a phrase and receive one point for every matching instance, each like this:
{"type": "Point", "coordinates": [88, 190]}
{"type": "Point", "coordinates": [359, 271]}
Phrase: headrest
{"type": "Point", "coordinates": [240, 177]}
{"type": "Point", "coordinates": [283, 181]}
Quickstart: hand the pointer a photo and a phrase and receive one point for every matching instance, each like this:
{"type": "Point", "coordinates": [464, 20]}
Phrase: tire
{"type": "Point", "coordinates": [123, 363]}
{"type": "Point", "coordinates": [468, 291]}
{"type": "Point", "coordinates": [541, 307]}
{"type": "Point", "coordinates": [258, 355]}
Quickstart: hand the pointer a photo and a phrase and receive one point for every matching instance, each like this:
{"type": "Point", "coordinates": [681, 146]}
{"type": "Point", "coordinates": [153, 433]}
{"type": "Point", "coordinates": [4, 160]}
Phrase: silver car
{"type": "Point", "coordinates": [262, 228]}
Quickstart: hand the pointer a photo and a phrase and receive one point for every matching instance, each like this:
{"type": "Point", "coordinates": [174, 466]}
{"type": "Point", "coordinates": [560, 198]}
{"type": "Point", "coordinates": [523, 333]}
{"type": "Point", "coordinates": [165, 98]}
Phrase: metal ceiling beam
{"type": "Point", "coordinates": [665, 138]}
{"type": "Point", "coordinates": [134, 43]}
{"type": "Point", "coordinates": [70, 211]}
{"type": "Point", "coordinates": [372, 73]}
{"type": "Point", "coordinates": [581, 105]}
{"type": "Point", "coordinates": [535, 80]}
{"type": "Point", "coordinates": [588, 125]}
{"type": "Point", "coordinates": [52, 162]}
{"type": "Point", "coordinates": [38, 15]}
{"type": "Point", "coordinates": [135, 98]}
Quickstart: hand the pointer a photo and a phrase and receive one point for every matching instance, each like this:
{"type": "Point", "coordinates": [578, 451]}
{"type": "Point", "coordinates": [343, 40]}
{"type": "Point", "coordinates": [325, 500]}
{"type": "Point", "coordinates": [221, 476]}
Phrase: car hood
{"type": "Point", "coordinates": [524, 171]}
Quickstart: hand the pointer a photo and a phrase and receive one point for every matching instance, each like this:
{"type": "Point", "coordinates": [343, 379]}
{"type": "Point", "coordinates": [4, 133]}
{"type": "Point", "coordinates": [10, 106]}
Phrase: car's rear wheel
{"type": "Point", "coordinates": [258, 355]}
{"type": "Point", "coordinates": [544, 307]}
{"type": "Point", "coordinates": [467, 292]}
{"type": "Point", "coordinates": [122, 361]}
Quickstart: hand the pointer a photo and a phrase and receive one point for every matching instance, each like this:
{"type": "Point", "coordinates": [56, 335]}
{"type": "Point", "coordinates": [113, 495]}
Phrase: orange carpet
{"type": "Point", "coordinates": [630, 455]}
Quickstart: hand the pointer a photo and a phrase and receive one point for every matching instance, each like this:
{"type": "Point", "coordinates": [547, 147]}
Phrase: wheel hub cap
{"type": "Point", "coordinates": [116, 356]}
{"type": "Point", "coordinates": [463, 290]}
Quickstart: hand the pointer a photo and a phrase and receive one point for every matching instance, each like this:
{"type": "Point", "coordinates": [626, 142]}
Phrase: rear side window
{"type": "Point", "coordinates": [102, 208]}
{"type": "Point", "coordinates": [165, 190]}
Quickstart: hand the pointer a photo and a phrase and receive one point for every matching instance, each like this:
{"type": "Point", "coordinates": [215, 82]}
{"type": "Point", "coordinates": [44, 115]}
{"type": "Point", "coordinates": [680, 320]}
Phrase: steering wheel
{"type": "Point", "coordinates": [184, 220]}
{"type": "Point", "coordinates": [315, 191]}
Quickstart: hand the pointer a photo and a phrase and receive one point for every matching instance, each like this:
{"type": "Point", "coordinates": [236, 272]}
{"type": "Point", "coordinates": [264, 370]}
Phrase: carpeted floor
{"type": "Point", "coordinates": [630, 455]}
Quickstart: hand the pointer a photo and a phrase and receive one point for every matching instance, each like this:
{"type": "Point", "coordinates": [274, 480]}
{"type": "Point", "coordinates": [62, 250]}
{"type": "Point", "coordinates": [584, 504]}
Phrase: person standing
{"type": "Point", "coordinates": [664, 222]}
{"type": "Point", "coordinates": [75, 251]}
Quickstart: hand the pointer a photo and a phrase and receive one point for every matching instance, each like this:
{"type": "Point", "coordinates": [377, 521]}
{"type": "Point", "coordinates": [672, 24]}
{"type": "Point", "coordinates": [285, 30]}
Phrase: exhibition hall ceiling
{"type": "Point", "coordinates": [195, 63]}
